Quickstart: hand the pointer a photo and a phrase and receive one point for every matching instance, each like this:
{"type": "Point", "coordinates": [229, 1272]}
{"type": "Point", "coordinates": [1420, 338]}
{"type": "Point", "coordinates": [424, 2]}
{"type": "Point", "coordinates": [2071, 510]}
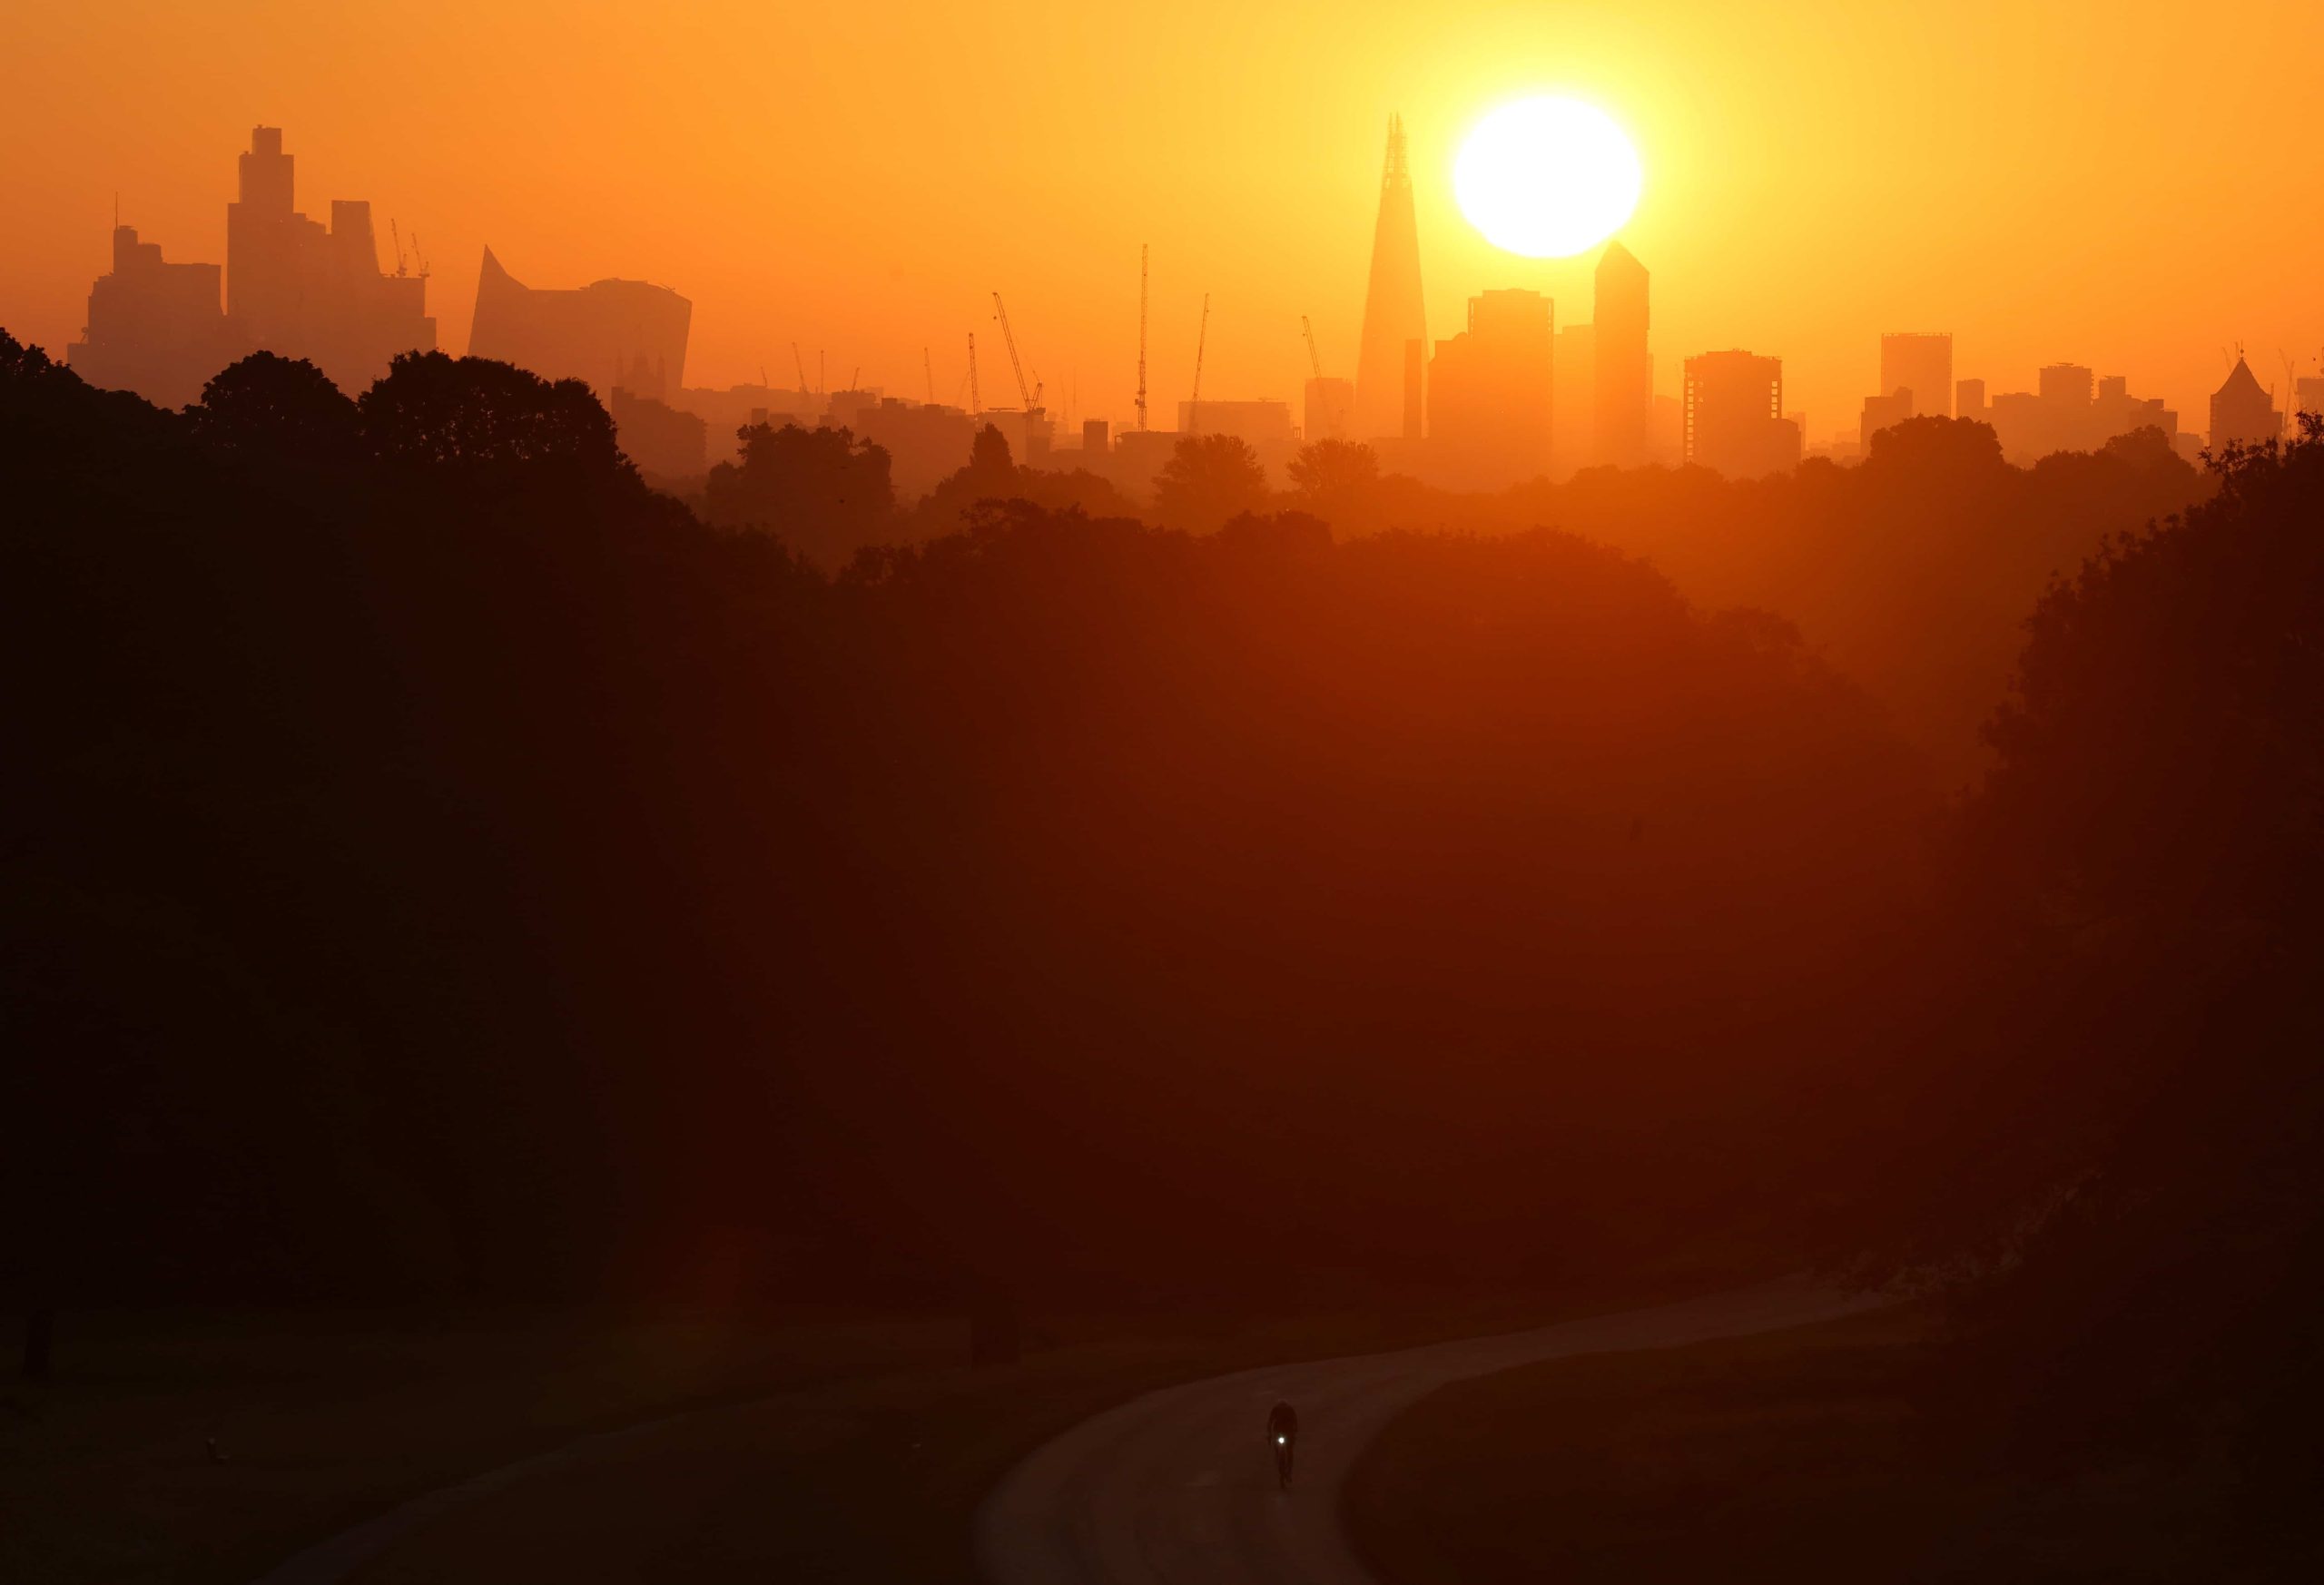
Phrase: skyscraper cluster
{"type": "Point", "coordinates": [2071, 408]}
{"type": "Point", "coordinates": [292, 286]}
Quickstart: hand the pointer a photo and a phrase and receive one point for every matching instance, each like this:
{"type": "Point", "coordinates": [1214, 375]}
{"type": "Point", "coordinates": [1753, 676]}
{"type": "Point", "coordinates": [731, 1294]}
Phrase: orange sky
{"type": "Point", "coordinates": [2109, 183]}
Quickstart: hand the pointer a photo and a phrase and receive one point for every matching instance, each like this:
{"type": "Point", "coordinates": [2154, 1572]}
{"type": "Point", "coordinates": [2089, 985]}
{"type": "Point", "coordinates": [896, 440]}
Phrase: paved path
{"type": "Point", "coordinates": [1177, 1488]}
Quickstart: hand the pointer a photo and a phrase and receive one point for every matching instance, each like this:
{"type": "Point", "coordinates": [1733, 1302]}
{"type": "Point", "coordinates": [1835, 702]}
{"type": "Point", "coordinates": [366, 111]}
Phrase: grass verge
{"type": "Point", "coordinates": [1805, 1456]}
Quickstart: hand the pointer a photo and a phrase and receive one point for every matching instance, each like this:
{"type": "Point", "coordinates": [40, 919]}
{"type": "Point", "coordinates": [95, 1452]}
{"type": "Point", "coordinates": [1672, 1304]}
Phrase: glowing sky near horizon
{"type": "Point", "coordinates": [2114, 185]}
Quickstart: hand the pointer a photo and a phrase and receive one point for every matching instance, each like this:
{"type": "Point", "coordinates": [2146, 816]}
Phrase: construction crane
{"type": "Point", "coordinates": [418, 262]}
{"type": "Point", "coordinates": [396, 237]}
{"type": "Point", "coordinates": [1141, 335]}
{"type": "Point", "coordinates": [976, 402]}
{"type": "Point", "coordinates": [928, 368]}
{"type": "Point", "coordinates": [800, 364]}
{"type": "Point", "coordinates": [1031, 399]}
{"type": "Point", "coordinates": [1315, 359]}
{"type": "Point", "coordinates": [1202, 339]}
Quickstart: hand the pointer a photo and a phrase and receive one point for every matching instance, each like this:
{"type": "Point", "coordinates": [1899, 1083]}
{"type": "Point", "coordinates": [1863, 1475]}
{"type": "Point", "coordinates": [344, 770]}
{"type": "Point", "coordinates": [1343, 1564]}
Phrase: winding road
{"type": "Point", "coordinates": [1177, 1488]}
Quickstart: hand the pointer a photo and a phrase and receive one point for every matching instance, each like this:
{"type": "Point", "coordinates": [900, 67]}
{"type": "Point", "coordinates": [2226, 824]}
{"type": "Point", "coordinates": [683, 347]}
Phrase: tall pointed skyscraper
{"type": "Point", "coordinates": [1392, 317]}
{"type": "Point", "coordinates": [1625, 368]}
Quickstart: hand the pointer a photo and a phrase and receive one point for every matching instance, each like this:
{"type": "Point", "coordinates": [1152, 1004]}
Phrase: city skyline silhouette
{"type": "Point", "coordinates": [830, 253]}
{"type": "Point", "coordinates": [292, 286]}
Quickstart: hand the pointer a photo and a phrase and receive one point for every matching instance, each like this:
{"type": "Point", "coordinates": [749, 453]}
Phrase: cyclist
{"type": "Point", "coordinates": [1282, 1438]}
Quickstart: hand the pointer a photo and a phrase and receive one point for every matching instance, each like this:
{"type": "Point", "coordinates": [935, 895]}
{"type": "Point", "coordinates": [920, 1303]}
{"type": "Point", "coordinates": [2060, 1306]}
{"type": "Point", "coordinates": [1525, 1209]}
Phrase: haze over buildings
{"type": "Point", "coordinates": [2243, 412]}
{"type": "Point", "coordinates": [155, 328]}
{"type": "Point", "coordinates": [1394, 319]}
{"type": "Point", "coordinates": [1733, 415]}
{"type": "Point", "coordinates": [610, 333]}
{"type": "Point", "coordinates": [1622, 366]}
{"type": "Point", "coordinates": [304, 291]}
{"type": "Point", "coordinates": [1491, 393]}
{"type": "Point", "coordinates": [1920, 366]}
{"type": "Point", "coordinates": [1509, 397]}
{"type": "Point", "coordinates": [291, 285]}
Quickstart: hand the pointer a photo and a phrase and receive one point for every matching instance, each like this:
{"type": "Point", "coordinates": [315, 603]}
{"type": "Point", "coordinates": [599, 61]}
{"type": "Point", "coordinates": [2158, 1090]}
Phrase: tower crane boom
{"type": "Point", "coordinates": [1202, 339]}
{"type": "Point", "coordinates": [1315, 359]}
{"type": "Point", "coordinates": [1031, 399]}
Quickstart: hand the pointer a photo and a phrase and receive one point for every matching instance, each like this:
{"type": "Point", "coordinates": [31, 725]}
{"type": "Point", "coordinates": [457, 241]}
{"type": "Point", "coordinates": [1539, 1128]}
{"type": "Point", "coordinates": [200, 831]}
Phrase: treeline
{"type": "Point", "coordinates": [443, 862]}
{"type": "Point", "coordinates": [2107, 1137]}
{"type": "Point", "coordinates": [1912, 573]}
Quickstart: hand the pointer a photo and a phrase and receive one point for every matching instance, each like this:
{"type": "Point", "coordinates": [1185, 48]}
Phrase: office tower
{"type": "Point", "coordinates": [1624, 368]}
{"type": "Point", "coordinates": [1330, 411]}
{"type": "Point", "coordinates": [155, 328]}
{"type": "Point", "coordinates": [2242, 412]}
{"type": "Point", "coordinates": [1969, 399]}
{"type": "Point", "coordinates": [1573, 398]}
{"type": "Point", "coordinates": [2115, 411]}
{"type": "Point", "coordinates": [2065, 384]}
{"type": "Point", "coordinates": [1491, 393]}
{"type": "Point", "coordinates": [1393, 315]}
{"type": "Point", "coordinates": [2308, 394]}
{"type": "Point", "coordinates": [1882, 412]}
{"type": "Point", "coordinates": [304, 291]}
{"type": "Point", "coordinates": [1733, 415]}
{"type": "Point", "coordinates": [1922, 363]}
{"type": "Point", "coordinates": [609, 334]}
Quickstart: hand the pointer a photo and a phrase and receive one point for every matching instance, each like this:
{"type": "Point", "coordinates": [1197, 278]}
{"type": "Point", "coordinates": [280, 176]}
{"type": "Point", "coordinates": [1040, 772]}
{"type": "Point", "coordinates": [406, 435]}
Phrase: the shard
{"type": "Point", "coordinates": [1393, 318]}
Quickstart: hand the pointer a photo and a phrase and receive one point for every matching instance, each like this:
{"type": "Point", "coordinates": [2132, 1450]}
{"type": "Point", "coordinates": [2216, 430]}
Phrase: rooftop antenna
{"type": "Point", "coordinates": [1141, 335]}
{"type": "Point", "coordinates": [1202, 339]}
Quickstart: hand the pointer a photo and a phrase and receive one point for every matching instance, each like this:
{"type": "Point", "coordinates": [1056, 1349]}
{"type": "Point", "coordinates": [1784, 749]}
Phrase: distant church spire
{"type": "Point", "coordinates": [1393, 315]}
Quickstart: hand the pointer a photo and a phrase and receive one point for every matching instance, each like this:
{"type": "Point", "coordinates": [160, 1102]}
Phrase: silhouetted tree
{"type": "Point", "coordinates": [1208, 479]}
{"type": "Point", "coordinates": [1337, 477]}
{"type": "Point", "coordinates": [2116, 1120]}
{"type": "Point", "coordinates": [821, 491]}
{"type": "Point", "coordinates": [472, 414]}
{"type": "Point", "coordinates": [278, 412]}
{"type": "Point", "coordinates": [991, 476]}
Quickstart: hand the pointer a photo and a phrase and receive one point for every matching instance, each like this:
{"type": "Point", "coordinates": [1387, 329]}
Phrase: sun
{"type": "Point", "coordinates": [1547, 177]}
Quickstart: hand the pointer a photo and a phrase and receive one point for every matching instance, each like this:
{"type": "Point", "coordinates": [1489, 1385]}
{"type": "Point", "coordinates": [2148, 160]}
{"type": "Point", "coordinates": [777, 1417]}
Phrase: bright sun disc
{"type": "Point", "coordinates": [1547, 177]}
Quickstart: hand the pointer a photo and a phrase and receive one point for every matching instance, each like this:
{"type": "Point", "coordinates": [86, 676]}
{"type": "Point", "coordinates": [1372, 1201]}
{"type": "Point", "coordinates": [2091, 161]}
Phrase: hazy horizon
{"type": "Point", "coordinates": [2083, 186]}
